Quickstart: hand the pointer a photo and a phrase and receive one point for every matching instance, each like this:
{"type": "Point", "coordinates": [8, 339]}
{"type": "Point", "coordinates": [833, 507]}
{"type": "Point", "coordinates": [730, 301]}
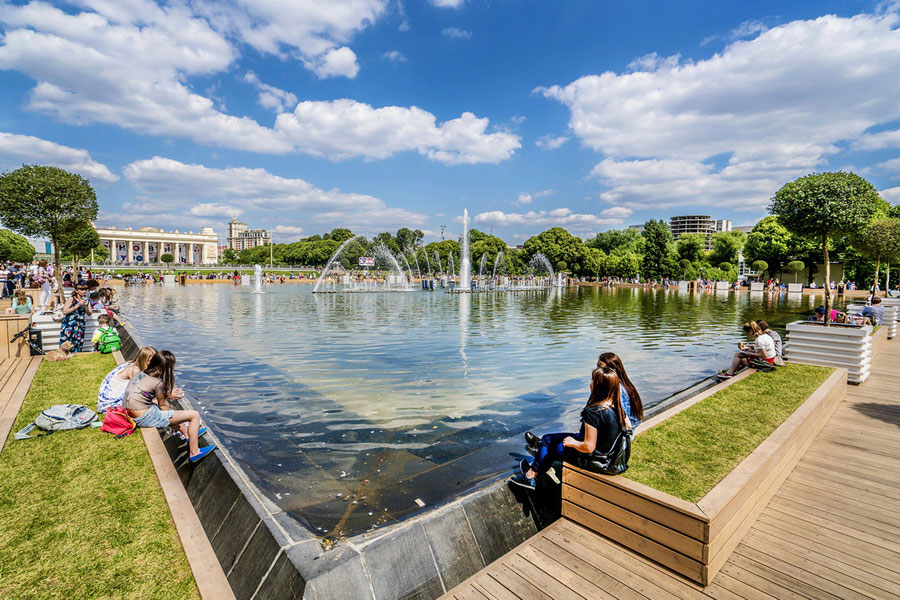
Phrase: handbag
{"type": "Point", "coordinates": [612, 462]}
{"type": "Point", "coordinates": [118, 423]}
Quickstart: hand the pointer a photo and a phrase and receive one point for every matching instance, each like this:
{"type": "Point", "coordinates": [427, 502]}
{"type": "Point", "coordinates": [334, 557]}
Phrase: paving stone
{"type": "Point", "coordinates": [498, 521]}
{"type": "Point", "coordinates": [401, 565]}
{"type": "Point", "coordinates": [282, 583]}
{"type": "Point", "coordinates": [453, 545]}
{"type": "Point", "coordinates": [253, 563]}
{"type": "Point", "coordinates": [348, 580]}
{"type": "Point", "coordinates": [311, 560]}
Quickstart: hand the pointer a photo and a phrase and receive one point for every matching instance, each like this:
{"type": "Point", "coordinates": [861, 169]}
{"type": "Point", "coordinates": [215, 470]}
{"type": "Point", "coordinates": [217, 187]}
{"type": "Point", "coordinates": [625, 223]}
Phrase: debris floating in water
{"type": "Point", "coordinates": [420, 503]}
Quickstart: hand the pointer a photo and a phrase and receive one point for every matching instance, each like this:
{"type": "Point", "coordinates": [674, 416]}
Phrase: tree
{"type": "Point", "coordinates": [823, 205]}
{"type": "Point", "coordinates": [618, 241]}
{"type": "Point", "coordinates": [168, 258]}
{"type": "Point", "coordinates": [229, 257]}
{"type": "Point", "coordinates": [879, 241]}
{"type": "Point", "coordinates": [769, 242]}
{"type": "Point", "coordinates": [658, 244]}
{"type": "Point", "coordinates": [557, 244]}
{"type": "Point", "coordinates": [760, 266]}
{"type": "Point", "coordinates": [339, 235]}
{"type": "Point", "coordinates": [79, 243]}
{"type": "Point", "coordinates": [795, 266]}
{"type": "Point", "coordinates": [690, 246]}
{"type": "Point", "coordinates": [15, 248]}
{"type": "Point", "coordinates": [725, 246]}
{"type": "Point", "coordinates": [48, 202]}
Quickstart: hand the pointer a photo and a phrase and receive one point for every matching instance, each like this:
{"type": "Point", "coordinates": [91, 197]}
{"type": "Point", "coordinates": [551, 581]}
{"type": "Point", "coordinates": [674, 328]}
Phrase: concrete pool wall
{"type": "Point", "coordinates": [267, 553]}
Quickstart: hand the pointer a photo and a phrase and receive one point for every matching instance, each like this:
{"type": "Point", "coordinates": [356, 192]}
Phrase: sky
{"type": "Point", "coordinates": [304, 115]}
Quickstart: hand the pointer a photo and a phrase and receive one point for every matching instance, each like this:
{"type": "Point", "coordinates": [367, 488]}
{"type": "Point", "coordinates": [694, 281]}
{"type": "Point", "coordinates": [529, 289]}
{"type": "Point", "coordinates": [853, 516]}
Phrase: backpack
{"type": "Point", "coordinates": [109, 341]}
{"type": "Point", "coordinates": [59, 418]}
{"type": "Point", "coordinates": [118, 423]}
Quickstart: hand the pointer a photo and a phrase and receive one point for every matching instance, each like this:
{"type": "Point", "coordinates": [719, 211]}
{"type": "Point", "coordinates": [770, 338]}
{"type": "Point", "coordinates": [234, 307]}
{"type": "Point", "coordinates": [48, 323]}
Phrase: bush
{"type": "Point", "coordinates": [167, 258]}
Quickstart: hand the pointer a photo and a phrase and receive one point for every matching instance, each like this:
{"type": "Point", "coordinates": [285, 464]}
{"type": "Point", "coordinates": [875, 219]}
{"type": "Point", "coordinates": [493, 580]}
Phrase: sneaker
{"type": "Point", "coordinates": [723, 375]}
{"type": "Point", "coordinates": [531, 439]}
{"type": "Point", "coordinates": [521, 481]}
{"type": "Point", "coordinates": [524, 466]}
{"type": "Point", "coordinates": [203, 452]}
{"type": "Point", "coordinates": [533, 450]}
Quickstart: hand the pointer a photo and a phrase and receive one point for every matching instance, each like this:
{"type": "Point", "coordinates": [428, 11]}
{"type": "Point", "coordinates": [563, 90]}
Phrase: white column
{"type": "Point", "coordinates": [146, 252]}
{"type": "Point", "coordinates": [112, 251]}
{"type": "Point", "coordinates": [129, 257]}
{"type": "Point", "coordinates": [159, 251]}
{"type": "Point", "coordinates": [204, 255]}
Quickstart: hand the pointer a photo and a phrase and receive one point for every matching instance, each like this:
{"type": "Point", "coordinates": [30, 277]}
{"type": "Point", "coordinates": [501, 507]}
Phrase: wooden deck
{"type": "Point", "coordinates": [832, 531]}
{"type": "Point", "coordinates": [15, 379]}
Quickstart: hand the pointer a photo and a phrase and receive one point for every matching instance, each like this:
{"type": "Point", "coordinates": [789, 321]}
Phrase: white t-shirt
{"type": "Point", "coordinates": [765, 345]}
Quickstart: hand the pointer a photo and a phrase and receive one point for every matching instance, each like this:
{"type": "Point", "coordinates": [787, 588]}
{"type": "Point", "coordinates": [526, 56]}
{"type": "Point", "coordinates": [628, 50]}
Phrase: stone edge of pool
{"type": "Point", "coordinates": [267, 553]}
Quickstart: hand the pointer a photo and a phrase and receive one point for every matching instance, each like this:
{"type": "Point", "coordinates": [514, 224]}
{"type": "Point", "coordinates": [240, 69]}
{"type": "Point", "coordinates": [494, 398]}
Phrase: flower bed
{"type": "Point", "coordinates": [692, 525]}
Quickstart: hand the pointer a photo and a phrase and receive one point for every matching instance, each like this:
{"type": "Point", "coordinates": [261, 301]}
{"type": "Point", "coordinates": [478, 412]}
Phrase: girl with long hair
{"type": "Point", "coordinates": [147, 402]}
{"type": "Point", "coordinates": [602, 419]}
{"type": "Point", "coordinates": [631, 400]}
{"type": "Point", "coordinates": [112, 389]}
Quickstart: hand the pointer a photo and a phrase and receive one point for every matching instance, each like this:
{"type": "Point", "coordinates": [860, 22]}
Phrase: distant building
{"type": "Point", "coordinates": [702, 224]}
{"type": "Point", "coordinates": [147, 245]}
{"type": "Point", "coordinates": [240, 238]}
{"type": "Point", "coordinates": [744, 228]}
{"type": "Point", "coordinates": [638, 228]}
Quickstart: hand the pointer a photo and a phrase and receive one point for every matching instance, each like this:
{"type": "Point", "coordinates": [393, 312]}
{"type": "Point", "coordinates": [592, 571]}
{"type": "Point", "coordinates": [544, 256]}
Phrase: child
{"type": "Point", "coordinates": [107, 295]}
{"type": "Point", "coordinates": [21, 304]}
{"type": "Point", "coordinates": [112, 390]}
{"type": "Point", "coordinates": [64, 352]}
{"type": "Point", "coordinates": [106, 338]}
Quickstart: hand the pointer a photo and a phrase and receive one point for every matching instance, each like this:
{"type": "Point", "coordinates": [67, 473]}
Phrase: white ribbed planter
{"type": "Point", "coordinates": [757, 286]}
{"type": "Point", "coordinates": [835, 346]}
{"type": "Point", "coordinates": [50, 331]}
{"type": "Point", "coordinates": [891, 314]}
{"type": "Point", "coordinates": [795, 288]}
{"type": "Point", "coordinates": [723, 285]}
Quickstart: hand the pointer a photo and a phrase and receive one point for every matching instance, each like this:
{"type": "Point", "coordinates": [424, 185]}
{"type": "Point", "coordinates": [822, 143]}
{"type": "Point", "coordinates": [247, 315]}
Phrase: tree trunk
{"type": "Point", "coordinates": [827, 281]}
{"type": "Point", "coordinates": [57, 270]}
{"type": "Point", "coordinates": [887, 281]}
{"type": "Point", "coordinates": [875, 284]}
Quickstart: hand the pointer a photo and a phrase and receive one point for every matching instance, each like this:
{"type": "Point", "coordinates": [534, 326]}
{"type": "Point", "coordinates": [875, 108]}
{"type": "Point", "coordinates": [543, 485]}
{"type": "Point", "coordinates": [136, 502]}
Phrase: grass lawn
{"type": "Point", "coordinates": [689, 453]}
{"type": "Point", "coordinates": [82, 514]}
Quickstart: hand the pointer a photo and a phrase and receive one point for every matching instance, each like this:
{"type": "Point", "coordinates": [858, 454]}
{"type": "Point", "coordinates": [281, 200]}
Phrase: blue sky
{"type": "Point", "coordinates": [378, 114]}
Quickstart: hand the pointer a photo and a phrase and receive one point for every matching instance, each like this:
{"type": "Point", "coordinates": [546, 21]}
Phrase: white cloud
{"type": "Point", "coordinates": [731, 129]}
{"type": "Point", "coordinates": [130, 64]}
{"type": "Point", "coordinates": [559, 217]}
{"type": "Point", "coordinates": [748, 28]}
{"type": "Point", "coordinates": [16, 150]}
{"type": "Point", "coordinates": [448, 3]}
{"type": "Point", "coordinates": [877, 141]}
{"type": "Point", "coordinates": [891, 167]}
{"type": "Point", "coordinates": [338, 61]}
{"type": "Point", "coordinates": [288, 229]}
{"type": "Point", "coordinates": [455, 33]}
{"type": "Point", "coordinates": [314, 32]}
{"type": "Point", "coordinates": [394, 56]}
{"type": "Point", "coordinates": [549, 142]}
{"type": "Point", "coordinates": [170, 187]}
{"type": "Point", "coordinates": [345, 128]}
{"type": "Point", "coordinates": [654, 62]}
{"type": "Point", "coordinates": [891, 194]}
{"type": "Point", "coordinates": [524, 198]}
{"type": "Point", "coordinates": [616, 212]}
{"type": "Point", "coordinates": [270, 96]}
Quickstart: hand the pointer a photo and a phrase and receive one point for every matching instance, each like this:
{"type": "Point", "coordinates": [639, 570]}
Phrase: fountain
{"type": "Point", "coordinates": [331, 262]}
{"type": "Point", "coordinates": [257, 280]}
{"type": "Point", "coordinates": [437, 259]}
{"type": "Point", "coordinates": [400, 279]}
{"type": "Point", "coordinates": [465, 267]}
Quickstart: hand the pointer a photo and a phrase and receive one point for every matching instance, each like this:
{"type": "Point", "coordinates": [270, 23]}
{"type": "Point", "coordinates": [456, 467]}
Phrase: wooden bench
{"type": "Point", "coordinates": [696, 539]}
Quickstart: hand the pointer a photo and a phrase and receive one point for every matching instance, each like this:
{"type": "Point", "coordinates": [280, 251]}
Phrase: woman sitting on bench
{"type": "Point", "coordinates": [602, 420]}
{"type": "Point", "coordinates": [763, 350]}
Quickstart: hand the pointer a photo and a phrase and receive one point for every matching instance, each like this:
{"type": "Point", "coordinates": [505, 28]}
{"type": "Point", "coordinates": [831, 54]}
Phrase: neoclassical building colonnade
{"type": "Point", "coordinates": [146, 245]}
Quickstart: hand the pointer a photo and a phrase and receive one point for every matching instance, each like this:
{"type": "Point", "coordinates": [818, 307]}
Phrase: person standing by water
{"type": "Point", "coordinates": [75, 309]}
{"type": "Point", "coordinates": [602, 420]}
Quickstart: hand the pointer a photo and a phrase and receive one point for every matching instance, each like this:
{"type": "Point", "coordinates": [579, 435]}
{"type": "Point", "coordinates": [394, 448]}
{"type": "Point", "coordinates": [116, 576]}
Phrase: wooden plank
{"type": "Point", "coordinates": [536, 575]}
{"type": "Point", "coordinates": [689, 525]}
{"type": "Point", "coordinates": [470, 593]}
{"type": "Point", "coordinates": [876, 533]}
{"type": "Point", "coordinates": [856, 533]}
{"type": "Point", "coordinates": [637, 523]}
{"type": "Point", "coordinates": [491, 588]}
{"type": "Point", "coordinates": [846, 480]}
{"type": "Point", "coordinates": [799, 481]}
{"type": "Point", "coordinates": [14, 403]}
{"type": "Point", "coordinates": [667, 557]}
{"type": "Point", "coordinates": [565, 576]}
{"type": "Point", "coordinates": [13, 375]}
{"type": "Point", "coordinates": [749, 585]}
{"type": "Point", "coordinates": [792, 584]}
{"type": "Point", "coordinates": [515, 584]}
{"type": "Point", "coordinates": [887, 519]}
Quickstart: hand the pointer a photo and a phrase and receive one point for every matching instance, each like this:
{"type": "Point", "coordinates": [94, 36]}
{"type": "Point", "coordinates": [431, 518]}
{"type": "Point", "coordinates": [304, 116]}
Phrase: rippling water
{"type": "Point", "coordinates": [346, 409]}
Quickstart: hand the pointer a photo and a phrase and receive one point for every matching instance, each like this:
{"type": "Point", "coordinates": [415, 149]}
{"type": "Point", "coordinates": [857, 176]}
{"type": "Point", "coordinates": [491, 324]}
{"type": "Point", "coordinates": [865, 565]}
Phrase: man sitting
{"type": "Point", "coordinates": [763, 349]}
{"type": "Point", "coordinates": [875, 311]}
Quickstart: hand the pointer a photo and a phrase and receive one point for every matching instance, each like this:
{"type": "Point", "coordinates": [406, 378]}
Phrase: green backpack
{"type": "Point", "coordinates": [109, 341]}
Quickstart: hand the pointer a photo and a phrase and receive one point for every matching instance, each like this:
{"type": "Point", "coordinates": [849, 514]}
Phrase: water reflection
{"type": "Point", "coordinates": [345, 409]}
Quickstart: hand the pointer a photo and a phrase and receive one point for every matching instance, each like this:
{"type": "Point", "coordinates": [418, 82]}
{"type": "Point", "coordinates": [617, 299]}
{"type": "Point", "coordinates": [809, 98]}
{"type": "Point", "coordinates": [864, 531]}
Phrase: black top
{"type": "Point", "coordinates": [604, 420]}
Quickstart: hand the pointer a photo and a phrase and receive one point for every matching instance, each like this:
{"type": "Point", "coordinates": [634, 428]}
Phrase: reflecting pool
{"type": "Point", "coordinates": [352, 411]}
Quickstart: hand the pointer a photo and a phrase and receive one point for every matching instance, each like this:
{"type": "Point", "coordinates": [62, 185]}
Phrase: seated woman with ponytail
{"type": "Point", "coordinates": [603, 419]}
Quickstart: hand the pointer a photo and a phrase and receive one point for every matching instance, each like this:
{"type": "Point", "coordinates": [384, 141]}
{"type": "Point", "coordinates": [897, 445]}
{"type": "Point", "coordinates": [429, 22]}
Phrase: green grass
{"type": "Point", "coordinates": [689, 453]}
{"type": "Point", "coordinates": [82, 514]}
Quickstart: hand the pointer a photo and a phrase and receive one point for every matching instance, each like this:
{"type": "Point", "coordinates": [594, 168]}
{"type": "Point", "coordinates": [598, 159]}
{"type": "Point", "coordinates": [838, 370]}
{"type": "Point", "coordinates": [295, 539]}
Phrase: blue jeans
{"type": "Point", "coordinates": [551, 450]}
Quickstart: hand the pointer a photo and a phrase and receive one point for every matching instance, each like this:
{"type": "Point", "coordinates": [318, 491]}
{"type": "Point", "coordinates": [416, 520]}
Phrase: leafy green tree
{"type": "Point", "coordinates": [658, 246]}
{"type": "Point", "coordinates": [618, 241]}
{"type": "Point", "coordinates": [79, 242]}
{"type": "Point", "coordinates": [169, 259]}
{"type": "Point", "coordinates": [388, 240]}
{"type": "Point", "coordinates": [726, 245]}
{"type": "Point", "coordinates": [557, 244]}
{"type": "Point", "coordinates": [760, 266]}
{"type": "Point", "coordinates": [339, 235]}
{"type": "Point", "coordinates": [879, 241]}
{"type": "Point", "coordinates": [726, 266]}
{"type": "Point", "coordinates": [770, 242]}
{"type": "Point", "coordinates": [48, 202]}
{"type": "Point", "coordinates": [482, 244]}
{"type": "Point", "coordinates": [409, 238]}
{"type": "Point", "coordinates": [823, 205]}
{"type": "Point", "coordinates": [691, 246]}
{"type": "Point", "coordinates": [592, 262]}
{"type": "Point", "coordinates": [795, 266]}
{"type": "Point", "coordinates": [229, 257]}
{"type": "Point", "coordinates": [14, 247]}
{"type": "Point", "coordinates": [625, 266]}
